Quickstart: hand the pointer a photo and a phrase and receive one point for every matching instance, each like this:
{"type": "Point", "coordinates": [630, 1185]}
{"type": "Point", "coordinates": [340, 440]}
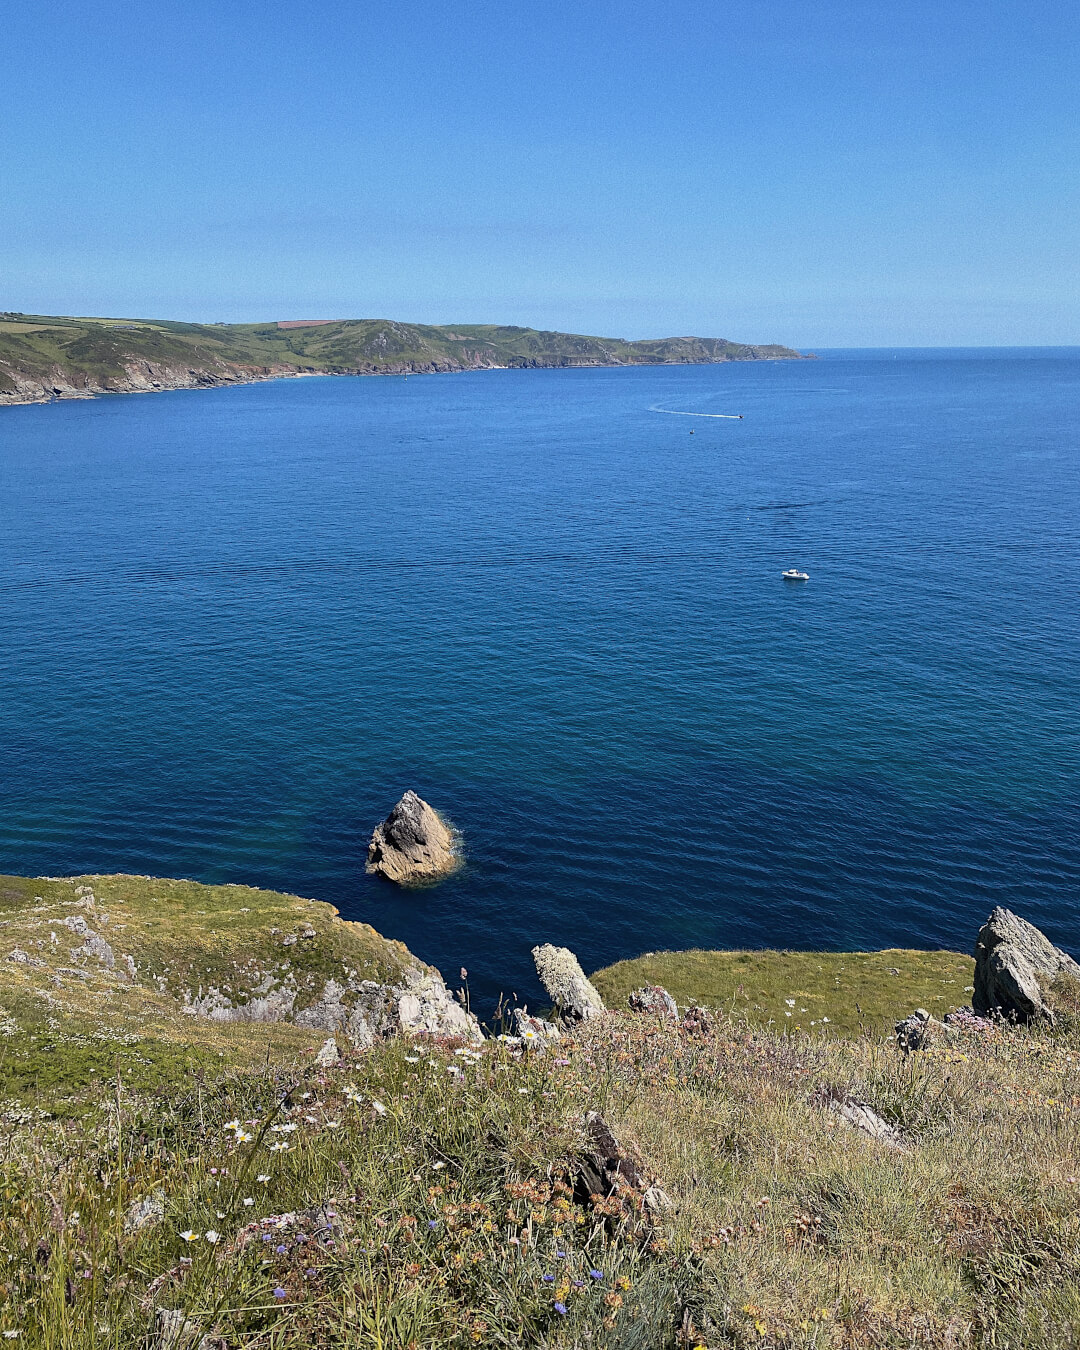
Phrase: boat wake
{"type": "Point", "coordinates": [676, 412]}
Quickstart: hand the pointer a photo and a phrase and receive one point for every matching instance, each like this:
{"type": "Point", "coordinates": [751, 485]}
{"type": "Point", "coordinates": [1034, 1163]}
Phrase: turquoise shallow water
{"type": "Point", "coordinates": [236, 624]}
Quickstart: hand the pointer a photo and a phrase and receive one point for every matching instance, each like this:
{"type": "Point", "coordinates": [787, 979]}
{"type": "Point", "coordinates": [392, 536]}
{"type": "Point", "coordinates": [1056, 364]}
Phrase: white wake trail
{"type": "Point", "coordinates": [675, 412]}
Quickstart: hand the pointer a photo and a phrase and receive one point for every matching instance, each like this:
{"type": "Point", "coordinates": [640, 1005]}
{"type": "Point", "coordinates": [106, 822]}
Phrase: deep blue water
{"type": "Point", "coordinates": [236, 624]}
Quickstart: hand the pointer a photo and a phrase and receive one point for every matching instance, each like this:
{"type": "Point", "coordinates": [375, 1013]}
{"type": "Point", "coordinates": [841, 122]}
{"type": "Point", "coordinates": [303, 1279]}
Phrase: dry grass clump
{"type": "Point", "coordinates": [423, 1194]}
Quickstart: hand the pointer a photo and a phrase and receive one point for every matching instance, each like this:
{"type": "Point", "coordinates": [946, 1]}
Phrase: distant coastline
{"type": "Point", "coordinates": [47, 358]}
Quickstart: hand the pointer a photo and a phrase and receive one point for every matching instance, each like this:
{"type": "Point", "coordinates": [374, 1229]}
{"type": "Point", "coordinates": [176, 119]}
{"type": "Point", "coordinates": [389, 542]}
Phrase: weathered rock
{"type": "Point", "coordinates": [145, 1212]}
{"type": "Point", "coordinates": [328, 1053]}
{"type": "Point", "coordinates": [566, 983]}
{"type": "Point", "coordinates": [919, 1030]}
{"type": "Point", "coordinates": [605, 1171]}
{"type": "Point", "coordinates": [697, 1021]}
{"type": "Point", "coordinates": [654, 1000]}
{"type": "Point", "coordinates": [174, 1331]}
{"type": "Point", "coordinates": [96, 946]}
{"type": "Point", "coordinates": [533, 1032]}
{"type": "Point", "coordinates": [1015, 964]}
{"type": "Point", "coordinates": [861, 1116]}
{"type": "Point", "coordinates": [22, 958]}
{"type": "Point", "coordinates": [413, 844]}
{"type": "Point", "coordinates": [362, 1010]}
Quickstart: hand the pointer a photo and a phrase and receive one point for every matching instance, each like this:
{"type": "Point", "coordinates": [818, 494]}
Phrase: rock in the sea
{"type": "Point", "coordinates": [566, 983]}
{"type": "Point", "coordinates": [655, 1000]}
{"type": "Point", "coordinates": [413, 844]}
{"type": "Point", "coordinates": [1015, 964]}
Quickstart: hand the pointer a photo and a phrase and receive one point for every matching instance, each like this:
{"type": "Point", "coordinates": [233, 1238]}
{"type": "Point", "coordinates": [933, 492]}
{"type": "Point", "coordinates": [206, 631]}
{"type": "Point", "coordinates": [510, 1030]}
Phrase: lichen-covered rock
{"type": "Point", "coordinates": [424, 1004]}
{"type": "Point", "coordinates": [413, 844]}
{"type": "Point", "coordinates": [1015, 964]}
{"type": "Point", "coordinates": [654, 1000]}
{"type": "Point", "coordinates": [566, 983]}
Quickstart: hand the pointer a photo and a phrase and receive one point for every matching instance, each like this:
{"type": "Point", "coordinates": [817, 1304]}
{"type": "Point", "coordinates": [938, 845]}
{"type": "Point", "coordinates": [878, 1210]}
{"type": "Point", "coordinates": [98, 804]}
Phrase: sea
{"type": "Point", "coordinates": [236, 624]}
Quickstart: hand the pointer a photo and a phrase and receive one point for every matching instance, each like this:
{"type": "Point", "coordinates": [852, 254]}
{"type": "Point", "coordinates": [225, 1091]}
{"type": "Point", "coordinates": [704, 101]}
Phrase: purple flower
{"type": "Point", "coordinates": [560, 1308]}
{"type": "Point", "coordinates": [579, 1284]}
{"type": "Point", "coordinates": [432, 1223]}
{"type": "Point", "coordinates": [597, 1274]}
{"type": "Point", "coordinates": [309, 1273]}
{"type": "Point", "coordinates": [268, 1237]}
{"type": "Point", "coordinates": [280, 1293]}
{"type": "Point", "coordinates": [561, 1256]}
{"type": "Point", "coordinates": [281, 1249]}
{"type": "Point", "coordinates": [549, 1279]}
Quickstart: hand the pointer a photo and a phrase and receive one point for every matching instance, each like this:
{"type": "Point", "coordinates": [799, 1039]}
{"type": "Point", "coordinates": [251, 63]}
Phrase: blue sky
{"type": "Point", "coordinates": [840, 173]}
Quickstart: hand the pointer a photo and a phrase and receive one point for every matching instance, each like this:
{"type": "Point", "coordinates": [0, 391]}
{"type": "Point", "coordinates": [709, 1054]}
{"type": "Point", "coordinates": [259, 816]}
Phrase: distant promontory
{"type": "Point", "coordinates": [44, 358]}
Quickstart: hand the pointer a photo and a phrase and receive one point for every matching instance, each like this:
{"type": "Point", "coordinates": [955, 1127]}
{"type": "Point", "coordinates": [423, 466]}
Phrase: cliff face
{"type": "Point", "coordinates": [44, 358]}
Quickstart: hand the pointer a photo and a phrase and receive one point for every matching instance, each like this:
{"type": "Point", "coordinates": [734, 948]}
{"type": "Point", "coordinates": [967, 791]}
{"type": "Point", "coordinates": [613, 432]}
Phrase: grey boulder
{"type": "Point", "coordinates": [1015, 964]}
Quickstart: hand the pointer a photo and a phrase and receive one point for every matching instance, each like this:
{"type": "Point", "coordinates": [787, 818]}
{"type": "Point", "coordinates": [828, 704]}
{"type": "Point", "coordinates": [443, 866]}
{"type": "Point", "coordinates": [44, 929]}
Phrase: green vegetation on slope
{"type": "Point", "coordinates": [68, 1020]}
{"type": "Point", "coordinates": [829, 993]}
{"type": "Point", "coordinates": [42, 357]}
{"type": "Point", "coordinates": [418, 1196]}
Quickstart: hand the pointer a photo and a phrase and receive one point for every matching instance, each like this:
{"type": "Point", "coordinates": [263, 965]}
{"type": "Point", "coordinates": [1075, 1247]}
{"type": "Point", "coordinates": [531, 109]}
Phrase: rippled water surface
{"type": "Point", "coordinates": [236, 624]}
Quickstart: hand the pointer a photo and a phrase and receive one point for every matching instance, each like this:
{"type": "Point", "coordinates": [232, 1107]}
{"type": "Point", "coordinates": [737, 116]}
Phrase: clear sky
{"type": "Point", "coordinates": [816, 172]}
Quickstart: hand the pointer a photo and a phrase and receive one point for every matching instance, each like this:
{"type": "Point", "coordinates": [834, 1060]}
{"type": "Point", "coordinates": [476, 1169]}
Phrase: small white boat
{"type": "Point", "coordinates": [793, 574]}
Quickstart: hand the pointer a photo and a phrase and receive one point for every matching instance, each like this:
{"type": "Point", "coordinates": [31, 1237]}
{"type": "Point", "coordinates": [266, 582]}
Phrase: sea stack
{"type": "Point", "coordinates": [413, 844]}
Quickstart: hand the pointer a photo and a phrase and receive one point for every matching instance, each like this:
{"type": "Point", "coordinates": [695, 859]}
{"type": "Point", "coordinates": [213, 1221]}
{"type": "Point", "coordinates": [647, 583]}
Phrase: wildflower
{"type": "Point", "coordinates": [311, 1120]}
{"type": "Point", "coordinates": [597, 1274]}
{"type": "Point", "coordinates": [10, 1335]}
{"type": "Point", "coordinates": [549, 1279]}
{"type": "Point", "coordinates": [244, 1136]}
{"type": "Point", "coordinates": [263, 1178]}
{"type": "Point", "coordinates": [561, 1256]}
{"type": "Point", "coordinates": [333, 1124]}
{"type": "Point", "coordinates": [622, 1283]}
{"type": "Point", "coordinates": [279, 1147]}
{"type": "Point", "coordinates": [213, 1237]}
{"type": "Point", "coordinates": [560, 1308]}
{"type": "Point", "coordinates": [280, 1293]}
{"type": "Point", "coordinates": [189, 1236]}
{"type": "Point", "coordinates": [231, 1125]}
{"type": "Point", "coordinates": [378, 1107]}
{"type": "Point", "coordinates": [284, 1129]}
{"type": "Point", "coordinates": [267, 1237]}
{"type": "Point", "coordinates": [281, 1249]}
{"type": "Point", "coordinates": [437, 1167]}
{"type": "Point", "coordinates": [412, 1059]}
{"type": "Point", "coordinates": [562, 1063]}
{"type": "Point", "coordinates": [790, 1002]}
{"type": "Point", "coordinates": [523, 1091]}
{"type": "Point", "coordinates": [305, 1096]}
{"type": "Point", "coordinates": [248, 1201]}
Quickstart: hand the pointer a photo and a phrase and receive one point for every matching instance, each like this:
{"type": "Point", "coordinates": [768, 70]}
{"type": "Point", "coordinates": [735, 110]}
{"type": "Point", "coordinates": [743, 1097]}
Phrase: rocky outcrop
{"type": "Point", "coordinates": [1015, 965]}
{"type": "Point", "coordinates": [413, 844]}
{"type": "Point", "coordinates": [654, 1000]}
{"type": "Point", "coordinates": [566, 983]}
{"type": "Point", "coordinates": [363, 1011]}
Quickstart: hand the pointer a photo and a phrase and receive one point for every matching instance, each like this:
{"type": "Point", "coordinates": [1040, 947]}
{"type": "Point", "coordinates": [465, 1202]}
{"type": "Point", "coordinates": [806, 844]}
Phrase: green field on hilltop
{"type": "Point", "coordinates": [830, 993]}
{"type": "Point", "coordinates": [44, 355]}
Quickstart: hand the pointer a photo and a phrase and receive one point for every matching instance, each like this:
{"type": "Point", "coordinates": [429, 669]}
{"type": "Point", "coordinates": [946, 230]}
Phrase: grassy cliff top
{"type": "Point", "coordinates": [72, 1014]}
{"type": "Point", "coordinates": [161, 1168]}
{"type": "Point", "coordinates": [827, 993]}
